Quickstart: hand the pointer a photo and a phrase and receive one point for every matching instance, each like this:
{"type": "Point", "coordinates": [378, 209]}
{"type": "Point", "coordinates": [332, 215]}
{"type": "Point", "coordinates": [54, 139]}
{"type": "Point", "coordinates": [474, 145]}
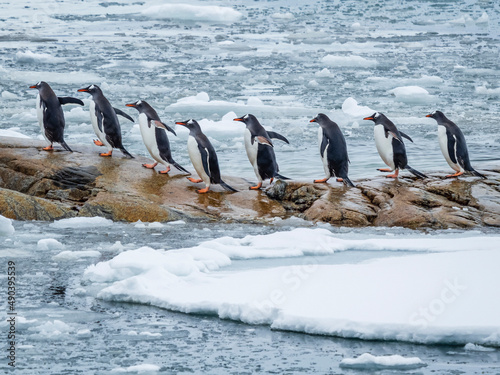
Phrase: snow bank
{"type": "Point", "coordinates": [49, 244]}
{"type": "Point", "coordinates": [412, 95]}
{"type": "Point", "coordinates": [367, 361]}
{"type": "Point", "coordinates": [430, 302]}
{"type": "Point", "coordinates": [12, 133]}
{"type": "Point", "coordinates": [29, 57]}
{"type": "Point", "coordinates": [352, 61]}
{"type": "Point", "coordinates": [6, 227]}
{"type": "Point", "coordinates": [82, 222]}
{"type": "Point", "coordinates": [187, 12]}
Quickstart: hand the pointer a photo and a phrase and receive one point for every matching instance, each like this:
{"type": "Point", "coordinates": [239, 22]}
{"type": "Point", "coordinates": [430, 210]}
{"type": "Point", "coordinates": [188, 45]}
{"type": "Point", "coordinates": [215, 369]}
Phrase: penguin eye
{"type": "Point", "coordinates": [376, 115]}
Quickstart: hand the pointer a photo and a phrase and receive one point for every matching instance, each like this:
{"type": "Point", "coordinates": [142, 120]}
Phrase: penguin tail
{"type": "Point", "coordinates": [178, 166]}
{"type": "Point", "coordinates": [415, 172]}
{"type": "Point", "coordinates": [227, 187]}
{"type": "Point", "coordinates": [125, 152]}
{"type": "Point", "coordinates": [277, 175]}
{"type": "Point", "coordinates": [348, 182]}
{"type": "Point", "coordinates": [65, 145]}
{"type": "Point", "coordinates": [477, 174]}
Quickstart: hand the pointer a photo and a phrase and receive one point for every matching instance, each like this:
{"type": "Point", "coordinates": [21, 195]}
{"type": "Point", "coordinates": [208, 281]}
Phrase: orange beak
{"type": "Point", "coordinates": [33, 87]}
{"type": "Point", "coordinates": [313, 120]}
{"type": "Point", "coordinates": [83, 90]}
{"type": "Point", "coordinates": [428, 115]}
{"type": "Point", "coordinates": [368, 118]}
{"type": "Point", "coordinates": [238, 119]}
{"type": "Point", "coordinates": [180, 123]}
{"type": "Point", "coordinates": [127, 105]}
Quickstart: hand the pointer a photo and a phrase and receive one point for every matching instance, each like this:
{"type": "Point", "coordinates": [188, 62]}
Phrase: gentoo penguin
{"type": "Point", "coordinates": [155, 138]}
{"type": "Point", "coordinates": [390, 145]}
{"type": "Point", "coordinates": [260, 150]}
{"type": "Point", "coordinates": [333, 150]}
{"type": "Point", "coordinates": [203, 156]}
{"type": "Point", "coordinates": [105, 121]}
{"type": "Point", "coordinates": [453, 146]}
{"type": "Point", "coordinates": [50, 114]}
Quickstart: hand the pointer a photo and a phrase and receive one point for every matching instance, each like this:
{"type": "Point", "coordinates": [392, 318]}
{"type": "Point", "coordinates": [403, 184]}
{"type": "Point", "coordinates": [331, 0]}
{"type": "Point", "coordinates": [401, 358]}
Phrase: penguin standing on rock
{"type": "Point", "coordinates": [333, 150]}
{"type": "Point", "coordinates": [50, 114]}
{"type": "Point", "coordinates": [105, 121]}
{"type": "Point", "coordinates": [203, 156]}
{"type": "Point", "coordinates": [453, 145]}
{"type": "Point", "coordinates": [260, 150]}
{"type": "Point", "coordinates": [155, 137]}
{"type": "Point", "coordinates": [390, 146]}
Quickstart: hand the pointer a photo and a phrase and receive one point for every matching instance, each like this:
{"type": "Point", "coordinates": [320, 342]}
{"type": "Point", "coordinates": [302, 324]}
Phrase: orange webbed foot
{"type": "Point", "coordinates": [98, 142]}
{"type": "Point", "coordinates": [150, 166]}
{"type": "Point", "coordinates": [340, 180]}
{"type": "Point", "coordinates": [48, 148]}
{"type": "Point", "coordinates": [455, 174]}
{"type": "Point", "coordinates": [202, 191]}
{"type": "Point", "coordinates": [165, 171]}
{"type": "Point", "coordinates": [256, 187]}
{"type": "Point", "coordinates": [193, 180]}
{"type": "Point", "coordinates": [320, 181]}
{"type": "Point", "coordinates": [384, 169]}
{"type": "Point", "coordinates": [107, 154]}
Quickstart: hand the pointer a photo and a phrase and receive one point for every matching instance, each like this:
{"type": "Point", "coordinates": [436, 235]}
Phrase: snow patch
{"type": "Point", "coordinates": [368, 361]}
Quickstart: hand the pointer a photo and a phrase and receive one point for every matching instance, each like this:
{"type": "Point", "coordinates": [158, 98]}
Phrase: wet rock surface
{"type": "Point", "coordinates": [40, 185]}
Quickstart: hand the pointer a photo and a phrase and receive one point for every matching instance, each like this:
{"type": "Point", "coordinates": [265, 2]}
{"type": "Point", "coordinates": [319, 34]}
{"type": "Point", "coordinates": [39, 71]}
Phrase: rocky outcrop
{"type": "Point", "coordinates": [39, 185]}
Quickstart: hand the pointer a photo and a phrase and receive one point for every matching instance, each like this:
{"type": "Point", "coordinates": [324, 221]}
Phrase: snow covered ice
{"type": "Point", "coordinates": [284, 62]}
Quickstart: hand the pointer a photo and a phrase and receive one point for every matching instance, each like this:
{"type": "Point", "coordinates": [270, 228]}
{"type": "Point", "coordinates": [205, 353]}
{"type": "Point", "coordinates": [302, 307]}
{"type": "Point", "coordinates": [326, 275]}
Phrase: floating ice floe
{"type": "Point", "coordinates": [412, 95]}
{"type": "Point", "coordinates": [144, 368]}
{"type": "Point", "coordinates": [347, 300]}
{"type": "Point", "coordinates": [352, 61]}
{"type": "Point", "coordinates": [483, 90]}
{"type": "Point", "coordinates": [82, 222]}
{"type": "Point", "coordinates": [9, 95]}
{"type": "Point", "coordinates": [477, 348]}
{"type": "Point", "coordinates": [73, 255]}
{"type": "Point", "coordinates": [188, 12]}
{"type": "Point", "coordinates": [6, 227]}
{"type": "Point", "coordinates": [49, 244]}
{"type": "Point", "coordinates": [29, 57]}
{"type": "Point", "coordinates": [351, 108]}
{"type": "Point", "coordinates": [368, 361]}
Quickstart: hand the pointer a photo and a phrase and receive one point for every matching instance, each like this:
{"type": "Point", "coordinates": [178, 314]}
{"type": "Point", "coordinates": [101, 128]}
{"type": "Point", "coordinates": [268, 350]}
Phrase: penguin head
{"type": "Point", "coordinates": [140, 105]}
{"type": "Point", "coordinates": [39, 85]}
{"type": "Point", "coordinates": [377, 118]}
{"type": "Point", "coordinates": [191, 124]}
{"type": "Point", "coordinates": [436, 115]}
{"type": "Point", "coordinates": [250, 121]}
{"type": "Point", "coordinates": [92, 89]}
{"type": "Point", "coordinates": [321, 119]}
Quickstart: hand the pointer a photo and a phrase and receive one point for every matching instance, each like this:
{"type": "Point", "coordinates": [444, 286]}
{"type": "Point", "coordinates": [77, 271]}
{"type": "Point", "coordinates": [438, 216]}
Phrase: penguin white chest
{"type": "Point", "coordinates": [196, 159]}
{"type": "Point", "coordinates": [384, 145]}
{"type": "Point", "coordinates": [324, 157]}
{"type": "Point", "coordinates": [148, 134]}
{"type": "Point", "coordinates": [39, 115]}
{"type": "Point", "coordinates": [252, 150]}
{"type": "Point", "coordinates": [443, 144]}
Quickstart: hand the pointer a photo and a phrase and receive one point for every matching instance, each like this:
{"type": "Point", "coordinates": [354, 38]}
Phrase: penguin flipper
{"type": "Point", "coordinates": [69, 100]}
{"type": "Point", "coordinates": [162, 125]}
{"type": "Point", "coordinates": [451, 147]}
{"type": "Point", "coordinates": [123, 114]}
{"type": "Point", "coordinates": [415, 172]}
{"type": "Point", "coordinates": [227, 187]}
{"type": "Point", "coordinates": [406, 136]}
{"type": "Point", "coordinates": [277, 136]}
